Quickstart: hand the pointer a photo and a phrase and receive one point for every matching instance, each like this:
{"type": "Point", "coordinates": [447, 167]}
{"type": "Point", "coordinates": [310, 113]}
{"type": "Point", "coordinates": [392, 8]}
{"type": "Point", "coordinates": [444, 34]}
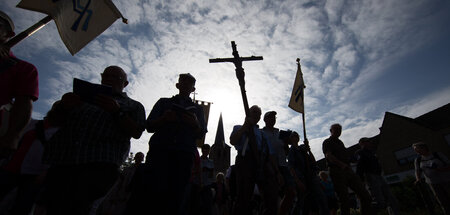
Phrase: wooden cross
{"type": "Point", "coordinates": [237, 60]}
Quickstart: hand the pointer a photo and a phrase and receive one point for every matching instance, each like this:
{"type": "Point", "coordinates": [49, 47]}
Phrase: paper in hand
{"type": "Point", "coordinates": [87, 91]}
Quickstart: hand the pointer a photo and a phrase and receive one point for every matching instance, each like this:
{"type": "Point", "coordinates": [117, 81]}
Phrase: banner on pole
{"type": "Point", "coordinates": [78, 21]}
{"type": "Point", "coordinates": [206, 107]}
{"type": "Point", "coordinates": [297, 96]}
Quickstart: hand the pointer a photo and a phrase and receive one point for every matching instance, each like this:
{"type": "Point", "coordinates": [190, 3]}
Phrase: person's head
{"type": "Point", "coordinates": [364, 142]}
{"type": "Point", "coordinates": [115, 77]}
{"type": "Point", "coordinates": [421, 148]}
{"type": "Point", "coordinates": [220, 178]}
{"type": "Point", "coordinates": [270, 118]}
{"type": "Point", "coordinates": [323, 175]}
{"type": "Point", "coordinates": [139, 158]}
{"type": "Point", "coordinates": [6, 27]}
{"type": "Point", "coordinates": [57, 115]}
{"type": "Point", "coordinates": [205, 149]}
{"type": "Point", "coordinates": [186, 84]}
{"type": "Point", "coordinates": [335, 130]}
{"type": "Point", "coordinates": [255, 113]}
{"type": "Point", "coordinates": [294, 138]}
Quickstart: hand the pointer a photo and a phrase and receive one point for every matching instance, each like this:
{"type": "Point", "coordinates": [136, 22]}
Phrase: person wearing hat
{"type": "Point", "coordinates": [281, 150]}
{"type": "Point", "coordinates": [435, 166]}
{"type": "Point", "coordinates": [176, 124]}
{"type": "Point", "coordinates": [249, 171]}
{"type": "Point", "coordinates": [18, 90]}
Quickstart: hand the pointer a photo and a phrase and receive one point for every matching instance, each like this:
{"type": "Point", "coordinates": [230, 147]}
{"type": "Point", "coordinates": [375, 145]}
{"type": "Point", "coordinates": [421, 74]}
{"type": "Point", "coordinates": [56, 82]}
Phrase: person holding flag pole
{"type": "Point", "coordinates": [309, 167]}
{"type": "Point", "coordinates": [296, 102]}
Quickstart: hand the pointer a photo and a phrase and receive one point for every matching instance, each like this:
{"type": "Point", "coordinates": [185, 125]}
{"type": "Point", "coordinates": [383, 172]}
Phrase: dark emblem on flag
{"type": "Point", "coordinates": [82, 10]}
{"type": "Point", "coordinates": [298, 93]}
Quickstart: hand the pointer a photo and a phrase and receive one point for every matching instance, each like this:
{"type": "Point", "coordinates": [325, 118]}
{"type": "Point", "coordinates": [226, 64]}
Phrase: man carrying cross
{"type": "Point", "coordinates": [248, 171]}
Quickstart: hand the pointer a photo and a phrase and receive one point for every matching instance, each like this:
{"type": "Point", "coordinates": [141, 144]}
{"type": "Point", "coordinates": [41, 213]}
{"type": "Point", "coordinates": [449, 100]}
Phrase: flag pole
{"type": "Point", "coordinates": [303, 114]}
{"type": "Point", "coordinates": [28, 32]}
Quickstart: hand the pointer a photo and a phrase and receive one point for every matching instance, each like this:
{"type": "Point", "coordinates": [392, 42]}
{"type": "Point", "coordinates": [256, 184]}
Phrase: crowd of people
{"type": "Point", "coordinates": [70, 162]}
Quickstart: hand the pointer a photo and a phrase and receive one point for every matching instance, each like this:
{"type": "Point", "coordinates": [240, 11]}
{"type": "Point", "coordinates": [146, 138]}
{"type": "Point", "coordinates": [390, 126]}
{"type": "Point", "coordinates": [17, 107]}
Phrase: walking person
{"type": "Point", "coordinates": [342, 175]}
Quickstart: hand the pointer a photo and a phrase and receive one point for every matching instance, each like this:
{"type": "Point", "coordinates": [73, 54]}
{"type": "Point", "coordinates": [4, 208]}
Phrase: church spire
{"type": "Point", "coordinates": [220, 137]}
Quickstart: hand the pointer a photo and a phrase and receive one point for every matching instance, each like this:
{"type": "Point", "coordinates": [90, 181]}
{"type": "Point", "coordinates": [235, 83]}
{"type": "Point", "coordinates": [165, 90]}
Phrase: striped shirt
{"type": "Point", "coordinates": [92, 134]}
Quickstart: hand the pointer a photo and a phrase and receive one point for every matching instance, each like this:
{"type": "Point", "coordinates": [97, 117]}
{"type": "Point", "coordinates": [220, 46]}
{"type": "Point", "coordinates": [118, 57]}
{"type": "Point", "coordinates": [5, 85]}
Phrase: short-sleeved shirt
{"type": "Point", "coordinates": [277, 144]}
{"type": "Point", "coordinates": [17, 78]}
{"type": "Point", "coordinates": [337, 148]}
{"type": "Point", "coordinates": [428, 166]}
{"type": "Point", "coordinates": [176, 135]}
{"type": "Point", "coordinates": [259, 135]}
{"type": "Point", "coordinates": [367, 162]}
{"type": "Point", "coordinates": [92, 134]}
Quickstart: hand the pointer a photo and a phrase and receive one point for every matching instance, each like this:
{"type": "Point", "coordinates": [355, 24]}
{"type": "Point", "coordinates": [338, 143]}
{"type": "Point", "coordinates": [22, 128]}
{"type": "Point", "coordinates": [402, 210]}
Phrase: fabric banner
{"type": "Point", "coordinates": [206, 106]}
{"type": "Point", "coordinates": [296, 102]}
{"type": "Point", "coordinates": [78, 21]}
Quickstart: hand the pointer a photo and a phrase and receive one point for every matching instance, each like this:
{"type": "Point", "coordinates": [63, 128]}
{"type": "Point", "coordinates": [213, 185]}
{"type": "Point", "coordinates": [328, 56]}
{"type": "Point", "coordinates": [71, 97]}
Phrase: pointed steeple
{"type": "Point", "coordinates": [220, 137]}
{"type": "Point", "coordinates": [220, 151]}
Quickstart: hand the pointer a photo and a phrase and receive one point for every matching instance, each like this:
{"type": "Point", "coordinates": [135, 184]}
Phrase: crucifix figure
{"type": "Point", "coordinates": [237, 60]}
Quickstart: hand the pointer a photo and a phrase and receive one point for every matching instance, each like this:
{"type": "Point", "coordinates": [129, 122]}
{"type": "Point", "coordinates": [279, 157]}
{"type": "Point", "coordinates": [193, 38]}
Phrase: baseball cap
{"type": "Point", "coordinates": [269, 113]}
{"type": "Point", "coordinates": [187, 76]}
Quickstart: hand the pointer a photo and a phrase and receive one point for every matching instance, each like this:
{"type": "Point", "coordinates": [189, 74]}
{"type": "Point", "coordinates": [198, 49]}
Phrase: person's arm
{"type": "Point", "coordinates": [332, 159]}
{"type": "Point", "coordinates": [19, 117]}
{"type": "Point", "coordinates": [160, 116]}
{"type": "Point", "coordinates": [192, 121]}
{"type": "Point", "coordinates": [418, 173]}
{"type": "Point", "coordinates": [236, 136]}
{"type": "Point", "coordinates": [300, 185]}
{"type": "Point", "coordinates": [128, 124]}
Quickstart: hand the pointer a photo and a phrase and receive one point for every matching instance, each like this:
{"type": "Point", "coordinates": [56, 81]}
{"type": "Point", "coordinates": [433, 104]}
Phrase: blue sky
{"type": "Point", "coordinates": [359, 58]}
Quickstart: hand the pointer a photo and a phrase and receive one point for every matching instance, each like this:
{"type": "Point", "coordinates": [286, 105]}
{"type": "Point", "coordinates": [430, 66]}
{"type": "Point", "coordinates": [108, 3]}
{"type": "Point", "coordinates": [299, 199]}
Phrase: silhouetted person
{"type": "Point", "coordinates": [207, 180]}
{"type": "Point", "coordinates": [328, 190]}
{"type": "Point", "coordinates": [249, 172]}
{"type": "Point", "coordinates": [221, 195]}
{"type": "Point", "coordinates": [85, 154]}
{"type": "Point", "coordinates": [25, 170]}
{"type": "Point", "coordinates": [304, 169]}
{"type": "Point", "coordinates": [18, 89]}
{"type": "Point", "coordinates": [342, 175]}
{"type": "Point", "coordinates": [176, 124]}
{"type": "Point", "coordinates": [435, 166]}
{"type": "Point", "coordinates": [116, 200]}
{"type": "Point", "coordinates": [281, 150]}
{"type": "Point", "coordinates": [369, 170]}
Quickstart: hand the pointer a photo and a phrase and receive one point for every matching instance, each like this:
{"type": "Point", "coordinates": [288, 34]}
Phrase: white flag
{"type": "Point", "coordinates": [296, 102]}
{"type": "Point", "coordinates": [78, 21]}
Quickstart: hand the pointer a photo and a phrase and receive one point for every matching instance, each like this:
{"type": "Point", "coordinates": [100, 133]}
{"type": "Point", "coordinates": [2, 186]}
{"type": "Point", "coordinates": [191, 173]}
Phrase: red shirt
{"type": "Point", "coordinates": [17, 78]}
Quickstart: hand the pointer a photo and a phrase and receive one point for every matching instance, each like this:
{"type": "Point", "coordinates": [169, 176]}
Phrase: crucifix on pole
{"type": "Point", "coordinates": [237, 61]}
